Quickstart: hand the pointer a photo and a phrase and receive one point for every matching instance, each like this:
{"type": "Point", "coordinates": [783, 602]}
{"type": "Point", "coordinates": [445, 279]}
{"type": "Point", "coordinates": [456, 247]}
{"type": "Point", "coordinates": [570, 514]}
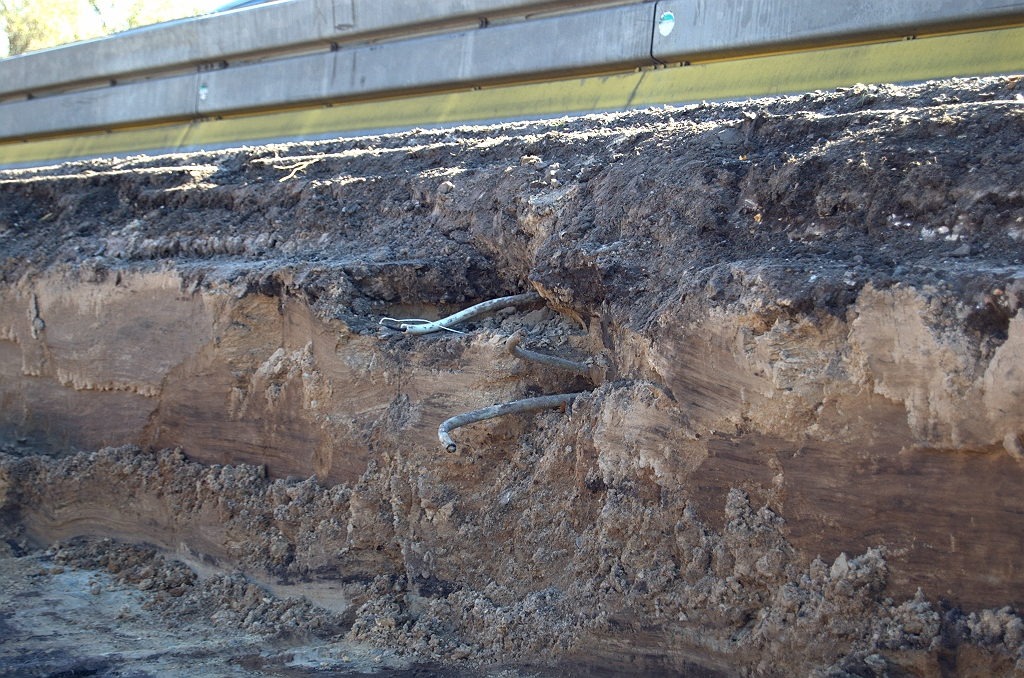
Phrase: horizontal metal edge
{"type": "Point", "coordinates": [169, 45]}
{"type": "Point", "coordinates": [971, 54]}
{"type": "Point", "coordinates": [694, 31]}
{"type": "Point", "coordinates": [576, 44]}
{"type": "Point", "coordinates": [617, 38]}
{"type": "Point", "coordinates": [168, 99]}
{"type": "Point", "coordinates": [247, 33]}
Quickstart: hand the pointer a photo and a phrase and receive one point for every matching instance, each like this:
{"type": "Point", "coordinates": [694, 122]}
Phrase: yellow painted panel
{"type": "Point", "coordinates": [980, 53]}
{"type": "Point", "coordinates": [91, 145]}
{"type": "Point", "coordinates": [510, 103]}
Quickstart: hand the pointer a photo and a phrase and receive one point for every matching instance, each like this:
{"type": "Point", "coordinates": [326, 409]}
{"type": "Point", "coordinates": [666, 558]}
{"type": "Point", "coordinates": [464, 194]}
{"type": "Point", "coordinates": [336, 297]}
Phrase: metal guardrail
{"type": "Point", "coordinates": [604, 40]}
{"type": "Point", "coordinates": [304, 53]}
{"type": "Point", "coordinates": [263, 31]}
{"type": "Point", "coordinates": [720, 29]}
{"type": "Point", "coordinates": [585, 40]}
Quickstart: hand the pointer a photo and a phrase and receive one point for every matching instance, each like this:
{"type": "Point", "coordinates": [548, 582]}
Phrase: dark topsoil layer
{"type": "Point", "coordinates": [920, 184]}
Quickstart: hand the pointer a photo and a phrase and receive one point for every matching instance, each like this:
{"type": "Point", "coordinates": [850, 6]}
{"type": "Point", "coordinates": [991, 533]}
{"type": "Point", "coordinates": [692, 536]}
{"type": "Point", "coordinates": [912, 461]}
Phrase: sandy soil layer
{"type": "Point", "coordinates": [797, 449]}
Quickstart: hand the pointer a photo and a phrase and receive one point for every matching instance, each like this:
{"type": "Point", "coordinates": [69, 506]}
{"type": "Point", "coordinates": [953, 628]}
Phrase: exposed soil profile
{"type": "Point", "coordinates": [797, 448]}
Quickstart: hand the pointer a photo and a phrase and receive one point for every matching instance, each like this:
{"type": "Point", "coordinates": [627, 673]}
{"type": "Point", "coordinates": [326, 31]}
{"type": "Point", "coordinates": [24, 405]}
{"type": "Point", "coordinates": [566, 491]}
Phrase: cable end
{"type": "Point", "coordinates": [512, 342]}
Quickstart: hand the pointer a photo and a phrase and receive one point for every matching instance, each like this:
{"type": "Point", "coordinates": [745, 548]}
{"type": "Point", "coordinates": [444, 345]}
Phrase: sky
{"type": "Point", "coordinates": [209, 5]}
{"type": "Point", "coordinates": [186, 6]}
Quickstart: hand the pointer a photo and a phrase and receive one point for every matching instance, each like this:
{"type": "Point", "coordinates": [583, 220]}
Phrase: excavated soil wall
{"type": "Point", "coordinates": [799, 448]}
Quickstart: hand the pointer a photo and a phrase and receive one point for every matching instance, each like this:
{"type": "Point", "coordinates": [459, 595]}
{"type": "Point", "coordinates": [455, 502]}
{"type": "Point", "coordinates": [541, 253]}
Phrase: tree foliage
{"type": "Point", "coordinates": [37, 24]}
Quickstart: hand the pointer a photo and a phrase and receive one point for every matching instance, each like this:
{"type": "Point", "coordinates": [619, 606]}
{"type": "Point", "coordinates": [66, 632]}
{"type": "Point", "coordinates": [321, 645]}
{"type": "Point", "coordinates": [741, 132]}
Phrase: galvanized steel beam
{"type": "Point", "coordinates": [704, 30]}
{"type": "Point", "coordinates": [580, 44]}
{"type": "Point", "coordinates": [264, 30]}
{"type": "Point", "coordinates": [431, 78]}
{"type": "Point", "coordinates": [148, 101]}
{"type": "Point", "coordinates": [978, 53]}
{"type": "Point", "coordinates": [603, 40]}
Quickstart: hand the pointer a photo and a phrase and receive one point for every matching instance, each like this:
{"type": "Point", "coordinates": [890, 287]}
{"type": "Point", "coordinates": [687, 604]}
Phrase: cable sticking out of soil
{"type": "Point", "coordinates": [427, 326]}
{"type": "Point", "coordinates": [514, 407]}
{"type": "Point", "coordinates": [512, 344]}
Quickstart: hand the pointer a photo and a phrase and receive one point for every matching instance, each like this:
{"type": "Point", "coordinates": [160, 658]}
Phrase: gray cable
{"type": "Point", "coordinates": [524, 405]}
{"type": "Point", "coordinates": [512, 344]}
{"type": "Point", "coordinates": [425, 327]}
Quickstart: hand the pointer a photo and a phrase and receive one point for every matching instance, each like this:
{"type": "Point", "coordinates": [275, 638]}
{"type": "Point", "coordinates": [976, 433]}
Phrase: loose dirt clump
{"type": "Point", "coordinates": [99, 607]}
{"type": "Point", "coordinates": [735, 593]}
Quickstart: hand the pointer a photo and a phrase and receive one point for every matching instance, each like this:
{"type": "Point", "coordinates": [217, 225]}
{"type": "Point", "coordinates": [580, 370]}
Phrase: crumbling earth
{"type": "Point", "coordinates": [798, 451]}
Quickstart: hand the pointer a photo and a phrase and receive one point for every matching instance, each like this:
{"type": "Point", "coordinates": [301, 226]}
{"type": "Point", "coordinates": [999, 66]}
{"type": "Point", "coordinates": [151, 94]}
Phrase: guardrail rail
{"type": "Point", "coordinates": [300, 67]}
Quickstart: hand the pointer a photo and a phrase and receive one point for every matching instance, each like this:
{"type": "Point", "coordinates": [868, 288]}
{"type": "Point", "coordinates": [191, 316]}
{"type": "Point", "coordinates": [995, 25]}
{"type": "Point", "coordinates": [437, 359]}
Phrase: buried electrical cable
{"type": "Point", "coordinates": [512, 344]}
{"type": "Point", "coordinates": [516, 406]}
{"type": "Point", "coordinates": [417, 326]}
